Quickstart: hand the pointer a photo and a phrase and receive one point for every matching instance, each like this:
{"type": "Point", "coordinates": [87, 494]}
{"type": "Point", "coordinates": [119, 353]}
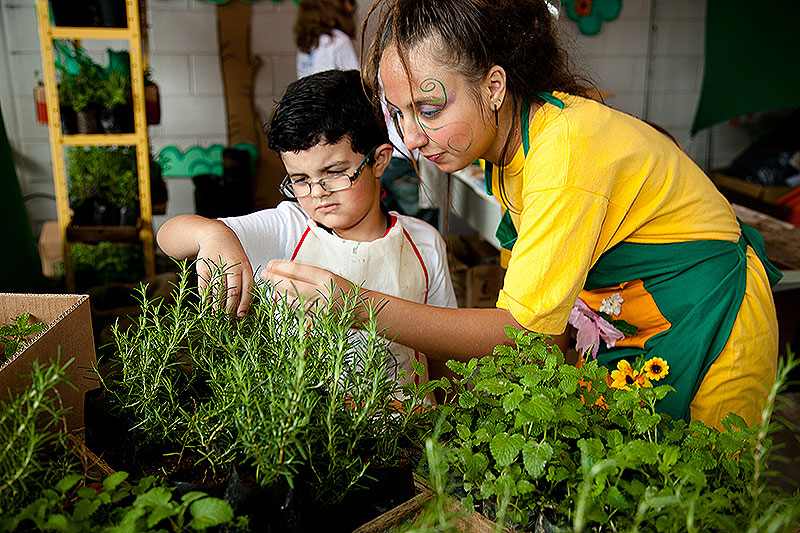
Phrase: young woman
{"type": "Point", "coordinates": [323, 32]}
{"type": "Point", "coordinates": [598, 205]}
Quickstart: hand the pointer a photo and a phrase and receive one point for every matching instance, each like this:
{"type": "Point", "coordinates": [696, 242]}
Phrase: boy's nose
{"type": "Point", "coordinates": [317, 191]}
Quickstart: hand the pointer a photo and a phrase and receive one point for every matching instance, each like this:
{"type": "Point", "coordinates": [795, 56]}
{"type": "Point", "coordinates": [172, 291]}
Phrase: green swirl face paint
{"type": "Point", "coordinates": [448, 134]}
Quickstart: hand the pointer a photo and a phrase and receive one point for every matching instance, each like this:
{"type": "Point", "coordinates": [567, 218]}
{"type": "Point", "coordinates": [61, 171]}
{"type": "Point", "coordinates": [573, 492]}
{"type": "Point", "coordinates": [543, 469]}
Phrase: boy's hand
{"type": "Point", "coordinates": [237, 281]}
{"type": "Point", "coordinates": [211, 242]}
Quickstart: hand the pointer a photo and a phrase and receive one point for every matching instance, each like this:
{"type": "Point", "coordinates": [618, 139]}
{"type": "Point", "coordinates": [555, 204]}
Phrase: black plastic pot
{"type": "Point", "coordinates": [88, 120]}
{"type": "Point", "coordinates": [384, 488]}
{"type": "Point", "coordinates": [83, 212]}
{"type": "Point", "coordinates": [128, 215]}
{"type": "Point", "coordinates": [69, 121]}
{"type": "Point", "coordinates": [117, 119]}
{"type": "Point", "coordinates": [227, 195]}
{"type": "Point", "coordinates": [112, 13]}
{"type": "Point", "coordinates": [72, 13]}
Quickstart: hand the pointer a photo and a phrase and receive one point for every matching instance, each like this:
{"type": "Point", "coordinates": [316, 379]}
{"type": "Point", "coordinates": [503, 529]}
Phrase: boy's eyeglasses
{"type": "Point", "coordinates": [333, 183]}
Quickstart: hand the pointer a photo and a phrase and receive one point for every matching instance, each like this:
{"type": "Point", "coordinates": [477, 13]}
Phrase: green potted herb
{"type": "Point", "coordinates": [288, 397]}
{"type": "Point", "coordinates": [14, 334]}
{"type": "Point", "coordinates": [535, 443]}
{"type": "Point", "coordinates": [116, 114]}
{"type": "Point", "coordinates": [85, 86]}
{"type": "Point", "coordinates": [103, 185]}
{"type": "Point", "coordinates": [43, 486]}
{"type": "Point", "coordinates": [69, 119]}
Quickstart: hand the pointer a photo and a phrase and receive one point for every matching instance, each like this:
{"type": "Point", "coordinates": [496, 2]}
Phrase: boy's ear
{"type": "Point", "coordinates": [383, 155]}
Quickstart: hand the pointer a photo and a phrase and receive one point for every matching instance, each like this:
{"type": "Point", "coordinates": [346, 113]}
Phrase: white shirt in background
{"type": "Point", "coordinates": [333, 51]}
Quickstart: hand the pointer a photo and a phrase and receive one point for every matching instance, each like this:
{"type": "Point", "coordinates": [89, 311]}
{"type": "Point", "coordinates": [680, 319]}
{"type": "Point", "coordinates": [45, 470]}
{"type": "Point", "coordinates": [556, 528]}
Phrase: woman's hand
{"type": "Point", "coordinates": [300, 281]}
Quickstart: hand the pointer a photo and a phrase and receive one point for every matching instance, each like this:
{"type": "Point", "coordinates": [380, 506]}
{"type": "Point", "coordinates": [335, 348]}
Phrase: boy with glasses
{"type": "Point", "coordinates": [334, 147]}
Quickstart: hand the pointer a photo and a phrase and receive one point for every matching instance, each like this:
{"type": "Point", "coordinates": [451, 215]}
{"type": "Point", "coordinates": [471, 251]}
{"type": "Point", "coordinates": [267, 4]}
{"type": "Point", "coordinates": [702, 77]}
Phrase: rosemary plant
{"type": "Point", "coordinates": [289, 390]}
{"type": "Point", "coordinates": [31, 424]}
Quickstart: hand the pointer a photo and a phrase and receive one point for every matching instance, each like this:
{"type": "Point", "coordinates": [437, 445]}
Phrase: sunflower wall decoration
{"type": "Point", "coordinates": [590, 14]}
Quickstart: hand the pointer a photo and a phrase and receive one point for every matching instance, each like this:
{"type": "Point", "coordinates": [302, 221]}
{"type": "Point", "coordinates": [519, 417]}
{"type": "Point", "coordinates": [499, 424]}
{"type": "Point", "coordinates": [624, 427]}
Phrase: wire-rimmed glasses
{"type": "Point", "coordinates": [332, 183]}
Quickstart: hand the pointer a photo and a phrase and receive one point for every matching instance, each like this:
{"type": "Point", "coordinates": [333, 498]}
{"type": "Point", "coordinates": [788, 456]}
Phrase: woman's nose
{"type": "Point", "coordinates": [414, 135]}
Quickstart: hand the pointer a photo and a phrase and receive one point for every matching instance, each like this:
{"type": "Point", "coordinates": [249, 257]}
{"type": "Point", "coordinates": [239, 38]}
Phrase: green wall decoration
{"type": "Point", "coordinates": [590, 14]}
{"type": "Point", "coordinates": [198, 160]}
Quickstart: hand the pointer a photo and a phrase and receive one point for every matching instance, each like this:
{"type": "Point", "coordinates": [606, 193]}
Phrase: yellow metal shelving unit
{"type": "Point", "coordinates": [133, 35]}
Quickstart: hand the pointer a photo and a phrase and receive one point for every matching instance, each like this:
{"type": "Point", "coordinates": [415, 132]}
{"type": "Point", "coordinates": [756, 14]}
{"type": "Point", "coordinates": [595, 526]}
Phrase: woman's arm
{"type": "Point", "coordinates": [212, 243]}
{"type": "Point", "coordinates": [441, 333]}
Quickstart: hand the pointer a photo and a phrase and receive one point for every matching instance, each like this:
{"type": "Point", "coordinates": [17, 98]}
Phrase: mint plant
{"type": "Point", "coordinates": [14, 334]}
{"type": "Point", "coordinates": [533, 438]}
{"type": "Point", "coordinates": [288, 390]}
{"type": "Point", "coordinates": [116, 505]}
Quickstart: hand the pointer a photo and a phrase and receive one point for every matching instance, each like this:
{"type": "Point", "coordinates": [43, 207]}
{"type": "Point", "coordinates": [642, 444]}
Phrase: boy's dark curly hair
{"type": "Point", "coordinates": [324, 108]}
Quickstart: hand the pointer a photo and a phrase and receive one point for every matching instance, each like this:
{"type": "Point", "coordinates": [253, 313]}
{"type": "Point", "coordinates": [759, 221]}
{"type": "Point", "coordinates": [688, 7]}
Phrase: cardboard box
{"type": "Point", "coordinates": [475, 270]}
{"type": "Point", "coordinates": [69, 327]}
{"type": "Point", "coordinates": [766, 194]}
{"type": "Point", "coordinates": [51, 251]}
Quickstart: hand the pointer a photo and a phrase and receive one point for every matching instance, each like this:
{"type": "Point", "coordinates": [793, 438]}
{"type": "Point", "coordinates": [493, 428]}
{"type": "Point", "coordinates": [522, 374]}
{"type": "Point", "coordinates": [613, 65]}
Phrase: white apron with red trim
{"type": "Point", "coordinates": [391, 265]}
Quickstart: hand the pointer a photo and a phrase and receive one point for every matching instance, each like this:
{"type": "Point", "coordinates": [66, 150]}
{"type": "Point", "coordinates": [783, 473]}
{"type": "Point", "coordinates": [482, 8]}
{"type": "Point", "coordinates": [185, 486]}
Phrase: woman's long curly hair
{"type": "Point", "coordinates": [471, 36]}
{"type": "Point", "coordinates": [320, 17]}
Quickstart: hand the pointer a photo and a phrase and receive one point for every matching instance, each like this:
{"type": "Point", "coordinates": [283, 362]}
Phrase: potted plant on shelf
{"type": "Point", "coordinates": [103, 185]}
{"type": "Point", "coordinates": [123, 190]}
{"type": "Point", "coordinates": [69, 119]}
{"type": "Point", "coordinates": [85, 87]}
{"type": "Point", "coordinates": [113, 94]}
{"type": "Point", "coordinates": [152, 99]}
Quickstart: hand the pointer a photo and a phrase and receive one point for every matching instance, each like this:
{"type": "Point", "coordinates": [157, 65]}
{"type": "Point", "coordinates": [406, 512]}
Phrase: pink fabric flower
{"type": "Point", "coordinates": [591, 328]}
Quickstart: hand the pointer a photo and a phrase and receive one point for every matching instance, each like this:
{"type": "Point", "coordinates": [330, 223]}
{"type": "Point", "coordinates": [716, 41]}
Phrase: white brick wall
{"type": "Point", "coordinates": [663, 87]}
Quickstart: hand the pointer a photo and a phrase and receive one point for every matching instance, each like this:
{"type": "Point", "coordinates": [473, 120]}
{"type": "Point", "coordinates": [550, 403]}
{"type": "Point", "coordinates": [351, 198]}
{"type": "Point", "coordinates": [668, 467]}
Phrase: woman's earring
{"type": "Point", "coordinates": [496, 120]}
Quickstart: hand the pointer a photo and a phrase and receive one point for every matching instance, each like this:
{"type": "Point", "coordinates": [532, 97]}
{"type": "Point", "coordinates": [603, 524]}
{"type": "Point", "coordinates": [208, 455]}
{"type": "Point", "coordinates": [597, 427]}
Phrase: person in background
{"type": "Point", "coordinates": [602, 211]}
{"type": "Point", "coordinates": [335, 148]}
{"type": "Point", "coordinates": [323, 31]}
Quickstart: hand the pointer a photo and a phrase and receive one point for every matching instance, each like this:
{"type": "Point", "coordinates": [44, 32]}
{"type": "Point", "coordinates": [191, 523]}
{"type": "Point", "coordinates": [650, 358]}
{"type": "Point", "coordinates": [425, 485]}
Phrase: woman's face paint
{"type": "Point", "coordinates": [438, 117]}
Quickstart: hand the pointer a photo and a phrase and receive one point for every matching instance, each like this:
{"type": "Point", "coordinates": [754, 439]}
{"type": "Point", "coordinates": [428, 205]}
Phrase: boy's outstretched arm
{"type": "Point", "coordinates": [210, 242]}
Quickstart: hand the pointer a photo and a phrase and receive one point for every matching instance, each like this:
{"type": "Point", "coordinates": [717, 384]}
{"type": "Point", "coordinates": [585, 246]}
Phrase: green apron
{"type": "Point", "coordinates": [698, 287]}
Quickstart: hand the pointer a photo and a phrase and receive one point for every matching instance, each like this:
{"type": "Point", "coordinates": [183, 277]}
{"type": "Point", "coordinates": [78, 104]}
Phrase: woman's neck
{"type": "Point", "coordinates": [509, 132]}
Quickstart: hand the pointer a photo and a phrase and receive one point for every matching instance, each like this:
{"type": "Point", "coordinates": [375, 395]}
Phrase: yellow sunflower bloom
{"type": "Point", "coordinates": [624, 376]}
{"type": "Point", "coordinates": [642, 381]}
{"type": "Point", "coordinates": [655, 369]}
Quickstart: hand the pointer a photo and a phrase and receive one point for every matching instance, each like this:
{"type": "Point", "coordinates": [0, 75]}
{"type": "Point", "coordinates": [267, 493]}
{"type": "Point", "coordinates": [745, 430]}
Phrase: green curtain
{"type": "Point", "coordinates": [752, 59]}
{"type": "Point", "coordinates": [21, 270]}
